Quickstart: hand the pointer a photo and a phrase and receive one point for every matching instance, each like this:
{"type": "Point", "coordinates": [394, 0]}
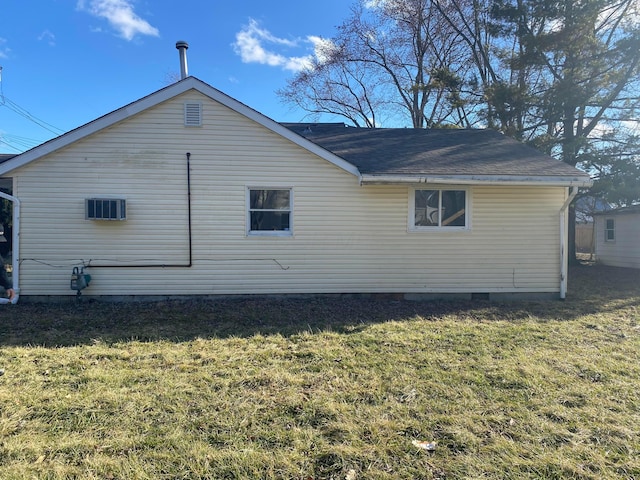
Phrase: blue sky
{"type": "Point", "coordinates": [67, 62]}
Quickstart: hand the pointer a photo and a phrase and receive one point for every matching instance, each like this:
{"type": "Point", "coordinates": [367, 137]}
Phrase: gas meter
{"type": "Point", "coordinates": [79, 279]}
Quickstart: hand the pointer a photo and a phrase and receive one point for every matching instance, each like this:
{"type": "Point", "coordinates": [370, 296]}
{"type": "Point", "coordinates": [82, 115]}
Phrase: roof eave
{"type": "Point", "coordinates": [551, 181]}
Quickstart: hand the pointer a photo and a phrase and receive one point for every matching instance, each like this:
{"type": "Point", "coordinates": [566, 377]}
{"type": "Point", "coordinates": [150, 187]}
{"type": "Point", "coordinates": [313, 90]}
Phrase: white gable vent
{"type": "Point", "coordinates": [193, 114]}
{"type": "Point", "coordinates": [106, 209]}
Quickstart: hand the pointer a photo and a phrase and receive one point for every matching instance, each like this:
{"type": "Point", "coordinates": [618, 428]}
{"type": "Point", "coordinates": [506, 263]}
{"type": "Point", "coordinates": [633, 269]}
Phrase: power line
{"type": "Point", "coordinates": [6, 102]}
{"type": "Point", "coordinates": [14, 107]}
{"type": "Point", "coordinates": [17, 143]}
{"type": "Point", "coordinates": [10, 146]}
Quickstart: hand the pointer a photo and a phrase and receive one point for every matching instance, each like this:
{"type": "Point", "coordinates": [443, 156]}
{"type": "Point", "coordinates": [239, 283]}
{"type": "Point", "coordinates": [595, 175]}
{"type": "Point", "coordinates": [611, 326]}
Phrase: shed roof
{"type": "Point", "coordinates": [631, 209]}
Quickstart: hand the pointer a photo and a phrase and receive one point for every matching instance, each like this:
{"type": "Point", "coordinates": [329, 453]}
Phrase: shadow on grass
{"type": "Point", "coordinates": [592, 290]}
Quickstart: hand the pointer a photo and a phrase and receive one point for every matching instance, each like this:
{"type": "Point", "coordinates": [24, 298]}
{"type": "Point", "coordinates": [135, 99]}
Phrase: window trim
{"type": "Point", "coordinates": [412, 227]}
{"type": "Point", "coordinates": [608, 230]}
{"type": "Point", "coordinates": [267, 233]}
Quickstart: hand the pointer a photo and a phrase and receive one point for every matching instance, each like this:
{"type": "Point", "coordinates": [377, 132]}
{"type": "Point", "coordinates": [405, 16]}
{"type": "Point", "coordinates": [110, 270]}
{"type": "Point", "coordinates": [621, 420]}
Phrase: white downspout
{"type": "Point", "coordinates": [15, 246]}
{"type": "Point", "coordinates": [564, 242]}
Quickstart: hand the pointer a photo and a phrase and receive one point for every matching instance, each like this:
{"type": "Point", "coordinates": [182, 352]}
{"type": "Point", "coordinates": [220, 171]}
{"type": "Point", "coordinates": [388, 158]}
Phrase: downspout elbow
{"type": "Point", "coordinates": [13, 301]}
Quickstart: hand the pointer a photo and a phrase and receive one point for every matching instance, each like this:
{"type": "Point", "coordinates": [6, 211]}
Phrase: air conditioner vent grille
{"type": "Point", "coordinates": [106, 209]}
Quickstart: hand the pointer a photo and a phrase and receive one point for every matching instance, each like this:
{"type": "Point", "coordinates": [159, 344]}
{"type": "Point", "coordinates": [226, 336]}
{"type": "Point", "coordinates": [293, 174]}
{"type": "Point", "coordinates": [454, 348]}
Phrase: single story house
{"type": "Point", "coordinates": [187, 191]}
{"type": "Point", "coordinates": [617, 237]}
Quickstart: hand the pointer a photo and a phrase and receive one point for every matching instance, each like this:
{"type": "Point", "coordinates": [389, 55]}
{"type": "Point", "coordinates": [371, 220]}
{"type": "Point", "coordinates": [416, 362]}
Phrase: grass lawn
{"type": "Point", "coordinates": [326, 388]}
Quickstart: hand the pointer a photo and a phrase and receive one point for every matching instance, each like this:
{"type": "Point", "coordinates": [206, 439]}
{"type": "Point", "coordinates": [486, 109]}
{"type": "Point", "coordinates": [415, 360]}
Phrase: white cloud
{"type": "Point", "coordinates": [257, 45]}
{"type": "Point", "coordinates": [254, 30]}
{"type": "Point", "coordinates": [626, 127]}
{"type": "Point", "coordinates": [120, 14]}
{"type": "Point", "coordinates": [296, 64]}
{"type": "Point", "coordinates": [632, 125]}
{"type": "Point", "coordinates": [49, 37]}
{"type": "Point", "coordinates": [4, 50]}
{"type": "Point", "coordinates": [323, 48]}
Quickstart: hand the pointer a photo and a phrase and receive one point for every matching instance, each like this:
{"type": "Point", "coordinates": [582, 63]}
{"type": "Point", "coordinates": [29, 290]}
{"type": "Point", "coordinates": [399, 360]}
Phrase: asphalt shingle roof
{"type": "Point", "coordinates": [408, 151]}
{"type": "Point", "coordinates": [6, 156]}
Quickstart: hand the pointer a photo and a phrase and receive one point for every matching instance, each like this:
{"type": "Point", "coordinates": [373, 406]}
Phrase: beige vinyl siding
{"type": "Point", "coordinates": [624, 251]}
{"type": "Point", "coordinates": [346, 237]}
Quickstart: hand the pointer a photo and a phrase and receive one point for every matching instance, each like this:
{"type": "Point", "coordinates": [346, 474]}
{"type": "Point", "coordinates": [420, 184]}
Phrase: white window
{"type": "Point", "coordinates": [105, 209]}
{"type": "Point", "coordinates": [436, 208]}
{"type": "Point", "coordinates": [610, 230]}
{"type": "Point", "coordinates": [193, 114]}
{"type": "Point", "coordinates": [269, 211]}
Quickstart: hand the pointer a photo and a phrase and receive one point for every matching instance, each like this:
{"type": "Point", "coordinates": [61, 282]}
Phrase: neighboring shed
{"type": "Point", "coordinates": [189, 192]}
{"type": "Point", "coordinates": [617, 237]}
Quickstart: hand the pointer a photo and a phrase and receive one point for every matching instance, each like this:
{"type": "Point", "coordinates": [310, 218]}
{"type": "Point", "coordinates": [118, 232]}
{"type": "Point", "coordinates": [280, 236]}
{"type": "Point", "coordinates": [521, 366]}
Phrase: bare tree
{"type": "Point", "coordinates": [336, 86]}
{"type": "Point", "coordinates": [391, 60]}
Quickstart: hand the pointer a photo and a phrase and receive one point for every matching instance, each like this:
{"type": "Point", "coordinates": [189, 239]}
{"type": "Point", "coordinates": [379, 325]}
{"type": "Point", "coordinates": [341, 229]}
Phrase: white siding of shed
{"type": "Point", "coordinates": [346, 237]}
{"type": "Point", "coordinates": [624, 251]}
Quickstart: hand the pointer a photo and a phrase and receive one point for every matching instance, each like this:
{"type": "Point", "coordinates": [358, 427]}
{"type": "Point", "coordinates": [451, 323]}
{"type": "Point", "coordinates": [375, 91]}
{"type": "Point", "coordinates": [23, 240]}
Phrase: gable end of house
{"type": "Point", "coordinates": [190, 83]}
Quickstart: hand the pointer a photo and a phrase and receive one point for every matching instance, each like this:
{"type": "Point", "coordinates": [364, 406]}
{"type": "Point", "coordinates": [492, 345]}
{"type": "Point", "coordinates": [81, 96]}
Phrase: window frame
{"type": "Point", "coordinates": [248, 211]}
{"type": "Point", "coordinates": [609, 232]}
{"type": "Point", "coordinates": [412, 227]}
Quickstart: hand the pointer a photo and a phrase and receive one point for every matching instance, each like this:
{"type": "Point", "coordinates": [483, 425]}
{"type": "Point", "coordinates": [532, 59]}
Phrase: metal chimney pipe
{"type": "Point", "coordinates": [182, 46]}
